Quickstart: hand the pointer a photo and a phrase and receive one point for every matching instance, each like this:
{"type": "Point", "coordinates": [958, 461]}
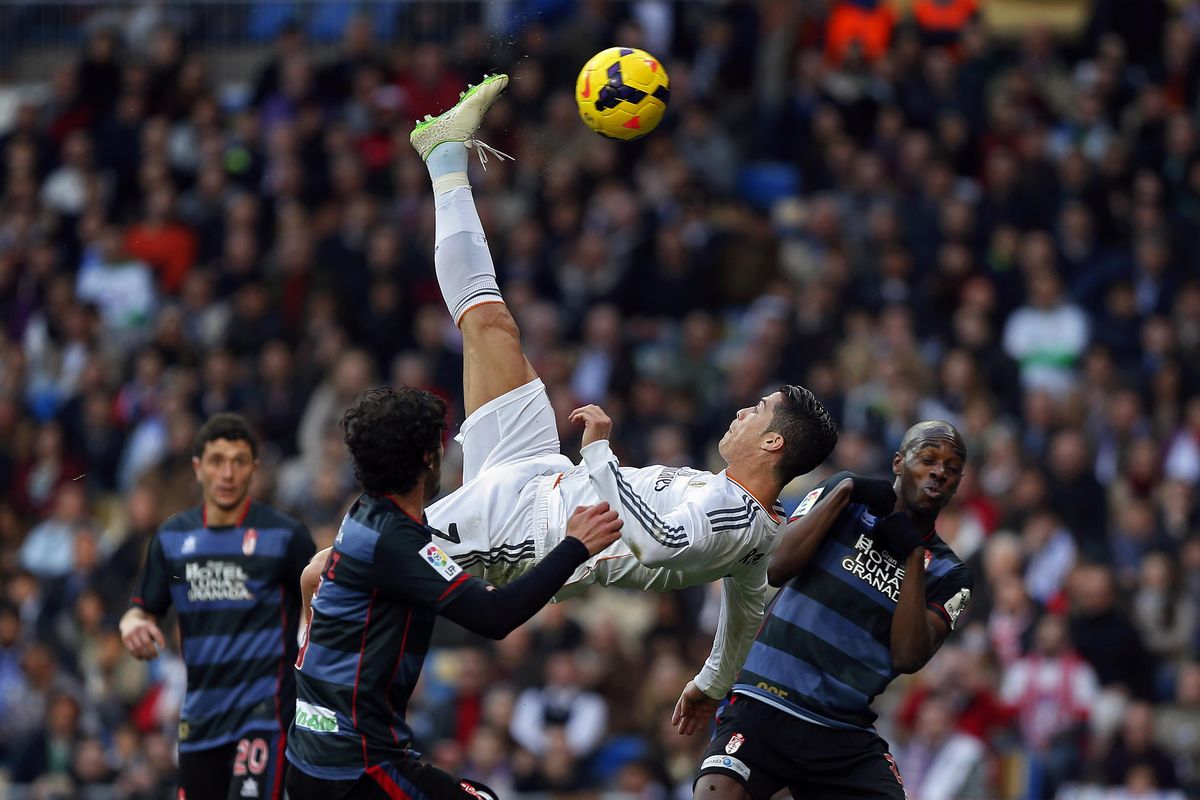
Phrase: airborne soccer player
{"type": "Point", "coordinates": [231, 568]}
{"type": "Point", "coordinates": [867, 595]}
{"type": "Point", "coordinates": [682, 527]}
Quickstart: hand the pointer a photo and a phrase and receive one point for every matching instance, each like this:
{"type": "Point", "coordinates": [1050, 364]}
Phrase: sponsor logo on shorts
{"type": "Point", "coordinates": [317, 719]}
{"type": "Point", "coordinates": [249, 788]}
{"type": "Point", "coordinates": [735, 741]}
{"type": "Point", "coordinates": [249, 541]}
{"type": "Point", "coordinates": [727, 762]}
{"type": "Point", "coordinates": [807, 503]}
{"type": "Point", "coordinates": [436, 557]}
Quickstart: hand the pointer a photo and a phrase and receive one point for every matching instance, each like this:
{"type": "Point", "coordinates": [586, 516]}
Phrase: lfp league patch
{"type": "Point", "coordinates": [437, 558]}
{"type": "Point", "coordinates": [808, 502]}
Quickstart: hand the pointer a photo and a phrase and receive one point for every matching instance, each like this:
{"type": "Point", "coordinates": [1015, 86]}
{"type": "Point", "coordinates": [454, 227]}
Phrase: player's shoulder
{"type": "Point", "coordinates": [944, 563]}
{"type": "Point", "coordinates": [187, 520]}
{"type": "Point", "coordinates": [728, 505]}
{"type": "Point", "coordinates": [262, 515]}
{"type": "Point", "coordinates": [818, 492]}
{"type": "Point", "coordinates": [375, 523]}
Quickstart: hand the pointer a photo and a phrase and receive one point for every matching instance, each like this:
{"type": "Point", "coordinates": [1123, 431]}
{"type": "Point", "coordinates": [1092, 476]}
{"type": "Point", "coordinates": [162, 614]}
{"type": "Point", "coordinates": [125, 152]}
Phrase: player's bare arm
{"type": "Point", "coordinates": [801, 537]}
{"type": "Point", "coordinates": [309, 579]}
{"type": "Point", "coordinates": [140, 634]}
{"type": "Point", "coordinates": [917, 632]}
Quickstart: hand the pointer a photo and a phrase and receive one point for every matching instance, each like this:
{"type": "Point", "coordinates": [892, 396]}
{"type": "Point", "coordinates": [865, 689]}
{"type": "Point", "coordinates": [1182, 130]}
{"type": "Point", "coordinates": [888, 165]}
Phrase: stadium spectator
{"type": "Point", "coordinates": [949, 164]}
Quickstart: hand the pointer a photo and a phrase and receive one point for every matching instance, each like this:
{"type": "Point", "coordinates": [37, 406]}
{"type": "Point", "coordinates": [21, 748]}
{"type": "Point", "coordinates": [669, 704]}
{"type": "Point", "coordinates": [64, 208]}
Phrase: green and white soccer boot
{"type": "Point", "coordinates": [460, 122]}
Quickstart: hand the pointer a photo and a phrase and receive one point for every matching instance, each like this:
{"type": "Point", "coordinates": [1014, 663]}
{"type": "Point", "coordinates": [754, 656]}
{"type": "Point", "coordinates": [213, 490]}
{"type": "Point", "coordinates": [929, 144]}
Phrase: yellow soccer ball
{"type": "Point", "coordinates": [622, 93]}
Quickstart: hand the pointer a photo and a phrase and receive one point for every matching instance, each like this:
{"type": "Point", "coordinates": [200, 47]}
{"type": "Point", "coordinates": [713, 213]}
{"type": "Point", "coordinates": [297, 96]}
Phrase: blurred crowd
{"type": "Point", "coordinates": [901, 211]}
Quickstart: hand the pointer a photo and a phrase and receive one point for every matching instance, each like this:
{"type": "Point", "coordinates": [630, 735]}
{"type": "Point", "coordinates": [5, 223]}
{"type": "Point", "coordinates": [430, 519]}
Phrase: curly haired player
{"type": "Point", "coordinates": [378, 592]}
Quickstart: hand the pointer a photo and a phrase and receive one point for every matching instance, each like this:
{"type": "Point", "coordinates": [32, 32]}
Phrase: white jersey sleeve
{"type": "Point", "coordinates": [742, 605]}
{"type": "Point", "coordinates": [680, 539]}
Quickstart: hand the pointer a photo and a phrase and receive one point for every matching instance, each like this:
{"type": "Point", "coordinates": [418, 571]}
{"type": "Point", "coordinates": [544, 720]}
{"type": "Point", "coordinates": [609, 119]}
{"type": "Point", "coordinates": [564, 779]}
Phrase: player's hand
{"type": "Point", "coordinates": [141, 635]}
{"type": "Point", "coordinates": [596, 424]}
{"type": "Point", "coordinates": [898, 535]}
{"type": "Point", "coordinates": [596, 526]}
{"type": "Point", "coordinates": [693, 710]}
{"type": "Point", "coordinates": [875, 493]}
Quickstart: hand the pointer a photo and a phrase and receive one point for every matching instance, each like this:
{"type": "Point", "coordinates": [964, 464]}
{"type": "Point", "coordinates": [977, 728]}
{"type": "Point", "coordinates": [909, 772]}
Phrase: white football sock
{"type": "Point", "coordinates": [461, 258]}
{"type": "Point", "coordinates": [447, 165]}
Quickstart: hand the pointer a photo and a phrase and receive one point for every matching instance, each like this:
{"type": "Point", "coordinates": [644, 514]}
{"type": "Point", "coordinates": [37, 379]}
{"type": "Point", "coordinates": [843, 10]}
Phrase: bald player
{"type": "Point", "coordinates": [869, 592]}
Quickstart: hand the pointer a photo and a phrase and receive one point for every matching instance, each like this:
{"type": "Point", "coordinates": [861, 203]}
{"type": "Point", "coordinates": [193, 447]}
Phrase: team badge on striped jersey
{"type": "Point", "coordinates": [249, 541]}
{"type": "Point", "coordinates": [735, 742]}
{"type": "Point", "coordinates": [436, 557]}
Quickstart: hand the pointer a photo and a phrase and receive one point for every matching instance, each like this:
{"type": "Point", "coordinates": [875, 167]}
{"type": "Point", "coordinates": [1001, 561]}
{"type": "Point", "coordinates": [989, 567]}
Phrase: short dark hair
{"type": "Point", "coordinates": [389, 432]}
{"type": "Point", "coordinates": [231, 427]}
{"type": "Point", "coordinates": [809, 433]}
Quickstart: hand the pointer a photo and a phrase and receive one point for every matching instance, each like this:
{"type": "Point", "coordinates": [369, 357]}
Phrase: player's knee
{"type": "Point", "coordinates": [492, 320]}
{"type": "Point", "coordinates": [718, 787]}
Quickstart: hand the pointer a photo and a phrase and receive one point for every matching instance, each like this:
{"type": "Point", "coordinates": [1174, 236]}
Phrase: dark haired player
{"type": "Point", "coordinates": [871, 592]}
{"type": "Point", "coordinates": [378, 593]}
{"type": "Point", "coordinates": [231, 568]}
{"type": "Point", "coordinates": [682, 527]}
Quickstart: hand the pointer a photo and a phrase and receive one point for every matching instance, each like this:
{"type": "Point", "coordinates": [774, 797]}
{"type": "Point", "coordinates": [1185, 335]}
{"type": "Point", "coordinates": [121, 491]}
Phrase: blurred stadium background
{"type": "Point", "coordinates": [917, 209]}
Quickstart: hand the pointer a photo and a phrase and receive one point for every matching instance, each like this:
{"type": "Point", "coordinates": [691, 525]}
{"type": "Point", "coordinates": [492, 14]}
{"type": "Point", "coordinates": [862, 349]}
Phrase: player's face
{"type": "Point", "coordinates": [748, 428]}
{"type": "Point", "coordinates": [225, 471]}
{"type": "Point", "coordinates": [929, 474]}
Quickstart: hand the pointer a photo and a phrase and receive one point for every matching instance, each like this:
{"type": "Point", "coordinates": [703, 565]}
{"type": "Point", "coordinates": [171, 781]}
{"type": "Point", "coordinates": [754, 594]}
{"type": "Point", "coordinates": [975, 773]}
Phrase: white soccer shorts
{"type": "Point", "coordinates": [491, 526]}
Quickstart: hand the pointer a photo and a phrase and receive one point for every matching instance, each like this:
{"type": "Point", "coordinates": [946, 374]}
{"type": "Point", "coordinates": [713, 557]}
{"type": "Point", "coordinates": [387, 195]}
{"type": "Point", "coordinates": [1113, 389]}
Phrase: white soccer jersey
{"type": "Point", "coordinates": [682, 527]}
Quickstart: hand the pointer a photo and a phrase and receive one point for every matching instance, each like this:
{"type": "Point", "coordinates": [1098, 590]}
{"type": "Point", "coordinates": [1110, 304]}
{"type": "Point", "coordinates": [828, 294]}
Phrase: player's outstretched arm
{"type": "Point", "coordinates": [679, 540]}
{"type": "Point", "coordinates": [495, 612]}
{"type": "Point", "coordinates": [742, 604]}
{"type": "Point", "coordinates": [803, 534]}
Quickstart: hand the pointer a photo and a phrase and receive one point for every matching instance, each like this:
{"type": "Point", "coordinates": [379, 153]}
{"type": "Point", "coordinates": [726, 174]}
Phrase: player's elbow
{"type": "Point", "coordinates": [778, 572]}
{"type": "Point", "coordinates": [311, 575]}
{"type": "Point", "coordinates": [905, 663]}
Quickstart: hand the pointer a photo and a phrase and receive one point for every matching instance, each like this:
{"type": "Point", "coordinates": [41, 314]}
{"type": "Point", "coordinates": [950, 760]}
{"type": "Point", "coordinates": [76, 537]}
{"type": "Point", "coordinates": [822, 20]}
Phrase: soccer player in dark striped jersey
{"type": "Point", "coordinates": [376, 597]}
{"type": "Point", "coordinates": [231, 568]}
{"type": "Point", "coordinates": [869, 592]}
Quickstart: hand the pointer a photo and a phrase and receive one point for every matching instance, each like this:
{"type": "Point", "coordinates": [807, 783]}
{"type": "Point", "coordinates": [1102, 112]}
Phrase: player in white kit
{"type": "Point", "coordinates": [682, 527]}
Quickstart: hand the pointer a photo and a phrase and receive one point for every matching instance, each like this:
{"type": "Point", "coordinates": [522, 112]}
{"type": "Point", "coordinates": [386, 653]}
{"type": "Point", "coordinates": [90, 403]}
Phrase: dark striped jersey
{"type": "Point", "coordinates": [236, 590]}
{"type": "Point", "coordinates": [372, 616]}
{"type": "Point", "coordinates": [824, 649]}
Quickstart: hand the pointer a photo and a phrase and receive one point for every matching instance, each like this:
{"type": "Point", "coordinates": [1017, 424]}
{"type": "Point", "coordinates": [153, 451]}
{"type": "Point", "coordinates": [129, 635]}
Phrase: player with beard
{"type": "Point", "coordinates": [869, 592]}
{"type": "Point", "coordinates": [231, 569]}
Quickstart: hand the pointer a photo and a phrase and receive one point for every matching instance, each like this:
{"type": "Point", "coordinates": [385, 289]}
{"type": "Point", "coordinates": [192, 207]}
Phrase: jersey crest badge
{"type": "Point", "coordinates": [928, 557]}
{"type": "Point", "coordinates": [735, 742]}
{"type": "Point", "coordinates": [189, 545]}
{"type": "Point", "coordinates": [436, 557]}
{"type": "Point", "coordinates": [808, 502]}
{"type": "Point", "coordinates": [249, 540]}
